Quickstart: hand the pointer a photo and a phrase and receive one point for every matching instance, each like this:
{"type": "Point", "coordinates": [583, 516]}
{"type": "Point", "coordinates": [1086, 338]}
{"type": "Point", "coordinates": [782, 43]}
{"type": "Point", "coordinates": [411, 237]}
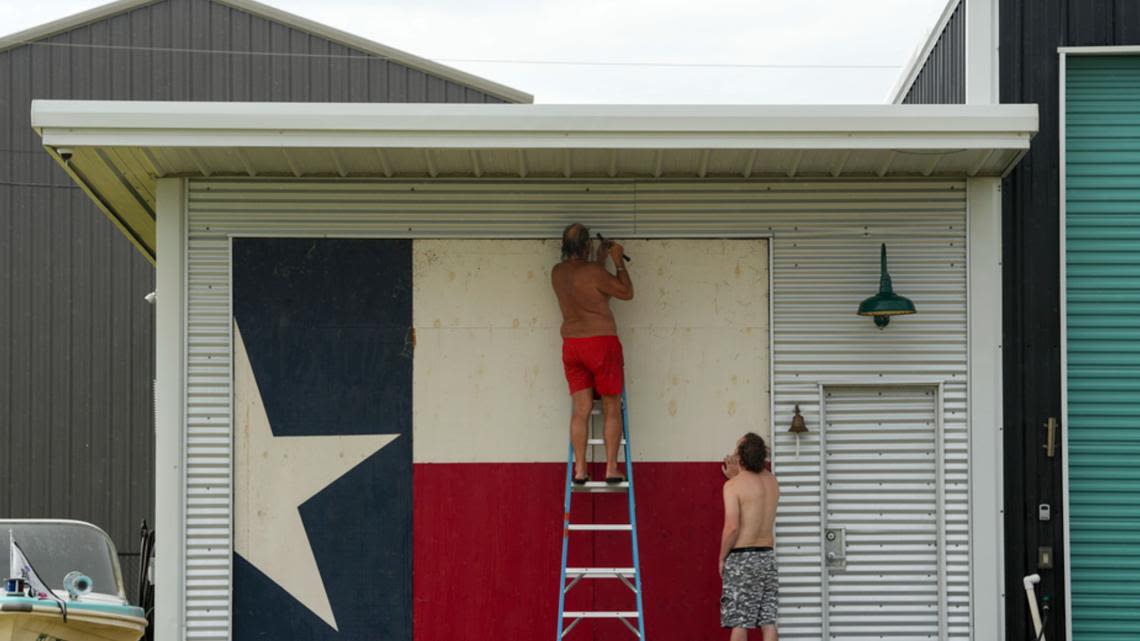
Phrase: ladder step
{"type": "Point", "coordinates": [601, 527]}
{"type": "Point", "coordinates": [599, 573]}
{"type": "Point", "coordinates": [599, 615]}
{"type": "Point", "coordinates": [598, 441]}
{"type": "Point", "coordinates": [601, 487]}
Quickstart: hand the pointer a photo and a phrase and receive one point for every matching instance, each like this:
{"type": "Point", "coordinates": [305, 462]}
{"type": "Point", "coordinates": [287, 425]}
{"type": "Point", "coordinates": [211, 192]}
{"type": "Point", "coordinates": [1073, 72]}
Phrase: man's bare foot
{"type": "Point", "coordinates": [614, 476]}
{"type": "Point", "coordinates": [581, 475]}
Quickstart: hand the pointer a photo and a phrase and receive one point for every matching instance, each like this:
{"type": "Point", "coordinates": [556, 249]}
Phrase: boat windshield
{"type": "Point", "coordinates": [55, 548]}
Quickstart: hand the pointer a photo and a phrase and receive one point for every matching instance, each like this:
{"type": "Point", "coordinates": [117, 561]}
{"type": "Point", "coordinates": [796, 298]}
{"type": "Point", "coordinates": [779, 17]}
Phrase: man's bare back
{"type": "Point", "coordinates": [584, 289]}
{"type": "Point", "coordinates": [749, 576]}
{"type": "Point", "coordinates": [756, 495]}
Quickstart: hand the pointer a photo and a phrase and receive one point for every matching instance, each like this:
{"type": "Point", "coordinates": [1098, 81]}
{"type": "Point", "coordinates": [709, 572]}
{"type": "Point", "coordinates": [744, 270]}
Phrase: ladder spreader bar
{"type": "Point", "coordinates": [600, 527]}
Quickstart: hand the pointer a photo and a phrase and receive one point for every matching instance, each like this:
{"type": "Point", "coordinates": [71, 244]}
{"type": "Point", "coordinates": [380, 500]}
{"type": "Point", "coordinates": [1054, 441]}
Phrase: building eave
{"type": "Point", "coordinates": [117, 150]}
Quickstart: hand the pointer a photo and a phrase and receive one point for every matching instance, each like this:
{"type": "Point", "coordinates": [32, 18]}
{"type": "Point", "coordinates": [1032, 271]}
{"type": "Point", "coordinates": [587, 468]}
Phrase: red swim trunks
{"type": "Point", "coordinates": [596, 362]}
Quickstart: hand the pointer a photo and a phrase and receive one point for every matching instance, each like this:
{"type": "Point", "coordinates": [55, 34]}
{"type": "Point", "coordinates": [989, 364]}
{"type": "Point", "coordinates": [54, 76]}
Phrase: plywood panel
{"type": "Point", "coordinates": [488, 374]}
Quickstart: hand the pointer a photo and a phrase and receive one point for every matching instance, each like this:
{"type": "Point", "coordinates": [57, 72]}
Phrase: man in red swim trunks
{"type": "Point", "coordinates": [591, 351]}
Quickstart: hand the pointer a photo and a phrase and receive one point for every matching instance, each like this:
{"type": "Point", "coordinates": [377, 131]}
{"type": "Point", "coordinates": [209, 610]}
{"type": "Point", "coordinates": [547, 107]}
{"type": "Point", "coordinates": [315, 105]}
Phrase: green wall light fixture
{"type": "Point", "coordinates": [886, 303]}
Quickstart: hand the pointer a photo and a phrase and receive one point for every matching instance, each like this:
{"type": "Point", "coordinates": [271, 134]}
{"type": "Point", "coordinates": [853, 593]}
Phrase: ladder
{"type": "Point", "coordinates": [630, 576]}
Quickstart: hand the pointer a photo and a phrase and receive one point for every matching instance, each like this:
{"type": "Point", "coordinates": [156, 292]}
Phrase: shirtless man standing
{"type": "Point", "coordinates": [747, 560]}
{"type": "Point", "coordinates": [591, 351]}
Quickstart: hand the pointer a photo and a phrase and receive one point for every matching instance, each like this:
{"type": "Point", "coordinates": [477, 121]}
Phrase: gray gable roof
{"type": "Point", "coordinates": [502, 92]}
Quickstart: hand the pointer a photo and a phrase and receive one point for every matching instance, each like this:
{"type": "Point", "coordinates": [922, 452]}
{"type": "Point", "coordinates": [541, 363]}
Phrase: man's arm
{"type": "Point", "coordinates": [731, 524]}
{"type": "Point", "coordinates": [620, 286]}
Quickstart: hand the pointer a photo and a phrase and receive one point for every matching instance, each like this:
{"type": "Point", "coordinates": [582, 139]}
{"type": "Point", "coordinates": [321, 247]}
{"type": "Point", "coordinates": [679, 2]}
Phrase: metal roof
{"type": "Point", "coordinates": [284, 17]}
{"type": "Point", "coordinates": [116, 150]}
{"type": "Point", "coordinates": [918, 60]}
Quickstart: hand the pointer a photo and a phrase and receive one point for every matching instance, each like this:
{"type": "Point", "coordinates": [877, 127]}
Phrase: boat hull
{"type": "Point", "coordinates": [45, 623]}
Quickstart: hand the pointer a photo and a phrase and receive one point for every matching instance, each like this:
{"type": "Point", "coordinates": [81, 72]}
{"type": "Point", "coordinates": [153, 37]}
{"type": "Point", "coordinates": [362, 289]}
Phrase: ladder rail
{"type": "Point", "coordinates": [632, 515]}
{"type": "Point", "coordinates": [565, 546]}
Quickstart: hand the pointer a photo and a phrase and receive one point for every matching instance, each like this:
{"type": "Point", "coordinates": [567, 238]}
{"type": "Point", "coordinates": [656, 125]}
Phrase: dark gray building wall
{"type": "Point", "coordinates": [1030, 32]}
{"type": "Point", "coordinates": [76, 336]}
{"type": "Point", "coordinates": [942, 80]}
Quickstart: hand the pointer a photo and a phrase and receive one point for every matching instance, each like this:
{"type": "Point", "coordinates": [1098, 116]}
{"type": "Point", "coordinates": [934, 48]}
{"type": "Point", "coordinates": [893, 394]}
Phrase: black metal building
{"type": "Point", "coordinates": [76, 335]}
{"type": "Point", "coordinates": [1030, 33]}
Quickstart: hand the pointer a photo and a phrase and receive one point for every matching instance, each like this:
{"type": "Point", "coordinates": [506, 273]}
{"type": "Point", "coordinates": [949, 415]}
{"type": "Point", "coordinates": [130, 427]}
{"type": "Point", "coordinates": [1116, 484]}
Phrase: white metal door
{"type": "Point", "coordinates": [883, 525]}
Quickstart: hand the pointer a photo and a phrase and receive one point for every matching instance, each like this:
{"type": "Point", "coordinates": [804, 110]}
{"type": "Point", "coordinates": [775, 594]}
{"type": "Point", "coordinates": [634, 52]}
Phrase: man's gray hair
{"type": "Point", "coordinates": [575, 241]}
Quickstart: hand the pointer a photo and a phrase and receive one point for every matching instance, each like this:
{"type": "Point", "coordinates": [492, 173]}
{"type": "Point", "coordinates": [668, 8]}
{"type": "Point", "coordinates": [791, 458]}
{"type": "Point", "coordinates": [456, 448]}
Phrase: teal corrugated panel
{"type": "Point", "coordinates": [1102, 266]}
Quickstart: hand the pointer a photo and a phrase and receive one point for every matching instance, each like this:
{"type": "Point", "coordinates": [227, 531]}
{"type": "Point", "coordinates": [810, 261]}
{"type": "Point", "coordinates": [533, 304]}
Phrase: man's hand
{"type": "Point", "coordinates": [731, 466]}
{"type": "Point", "coordinates": [603, 252]}
{"type": "Point", "coordinates": [616, 251]}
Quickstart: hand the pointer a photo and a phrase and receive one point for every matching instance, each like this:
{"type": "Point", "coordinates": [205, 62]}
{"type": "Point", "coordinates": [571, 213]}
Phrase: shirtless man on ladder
{"type": "Point", "coordinates": [591, 351]}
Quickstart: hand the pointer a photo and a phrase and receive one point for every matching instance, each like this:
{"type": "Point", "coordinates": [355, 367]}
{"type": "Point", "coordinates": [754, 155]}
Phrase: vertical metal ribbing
{"type": "Point", "coordinates": [565, 543]}
{"type": "Point", "coordinates": [632, 514]}
{"type": "Point", "coordinates": [824, 572]}
{"type": "Point", "coordinates": [940, 503]}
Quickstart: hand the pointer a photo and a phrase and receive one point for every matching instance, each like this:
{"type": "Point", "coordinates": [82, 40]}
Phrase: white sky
{"type": "Point", "coordinates": [879, 33]}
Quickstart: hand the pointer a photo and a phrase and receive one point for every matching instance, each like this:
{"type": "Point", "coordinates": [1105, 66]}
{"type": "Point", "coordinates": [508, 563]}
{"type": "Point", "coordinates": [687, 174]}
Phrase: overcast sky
{"type": "Point", "coordinates": [845, 51]}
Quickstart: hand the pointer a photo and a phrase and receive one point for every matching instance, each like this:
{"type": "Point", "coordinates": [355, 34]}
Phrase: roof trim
{"type": "Point", "coordinates": [918, 60]}
{"type": "Point", "coordinates": [468, 126]}
{"type": "Point", "coordinates": [96, 14]}
{"type": "Point", "coordinates": [118, 150]}
{"type": "Point", "coordinates": [1101, 50]}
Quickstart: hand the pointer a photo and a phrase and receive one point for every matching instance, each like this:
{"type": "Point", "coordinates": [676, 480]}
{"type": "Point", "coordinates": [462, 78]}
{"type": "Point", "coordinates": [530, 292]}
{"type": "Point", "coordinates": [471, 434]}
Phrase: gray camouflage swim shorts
{"type": "Point", "coordinates": [751, 584]}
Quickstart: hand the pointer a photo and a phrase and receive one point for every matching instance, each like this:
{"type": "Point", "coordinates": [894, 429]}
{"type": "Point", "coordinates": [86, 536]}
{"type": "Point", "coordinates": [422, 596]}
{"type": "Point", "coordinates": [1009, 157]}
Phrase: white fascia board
{"type": "Point", "coordinates": [1108, 50]}
{"type": "Point", "coordinates": [910, 72]}
{"type": "Point", "coordinates": [300, 125]}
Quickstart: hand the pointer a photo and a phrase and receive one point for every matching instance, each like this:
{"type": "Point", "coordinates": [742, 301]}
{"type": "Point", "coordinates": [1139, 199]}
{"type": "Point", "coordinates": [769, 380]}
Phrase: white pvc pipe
{"type": "Point", "coordinates": [1031, 596]}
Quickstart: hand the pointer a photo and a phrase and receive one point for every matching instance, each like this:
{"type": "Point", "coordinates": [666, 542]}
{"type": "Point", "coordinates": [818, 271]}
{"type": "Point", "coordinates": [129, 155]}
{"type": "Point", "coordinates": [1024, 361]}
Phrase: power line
{"type": "Point", "coordinates": [505, 61]}
{"type": "Point", "coordinates": [10, 183]}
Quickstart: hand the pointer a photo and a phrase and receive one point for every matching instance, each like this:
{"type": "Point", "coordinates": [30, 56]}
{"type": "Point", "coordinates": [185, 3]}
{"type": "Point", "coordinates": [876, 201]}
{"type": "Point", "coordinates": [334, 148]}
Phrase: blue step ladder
{"type": "Point", "coordinates": [631, 576]}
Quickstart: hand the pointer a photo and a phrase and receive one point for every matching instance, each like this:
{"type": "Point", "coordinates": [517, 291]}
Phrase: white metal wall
{"type": "Point", "coordinates": [825, 234]}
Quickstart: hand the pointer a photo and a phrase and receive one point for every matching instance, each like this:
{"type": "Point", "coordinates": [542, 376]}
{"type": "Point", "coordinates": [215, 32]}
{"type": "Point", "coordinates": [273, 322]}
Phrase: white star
{"type": "Point", "coordinates": [274, 476]}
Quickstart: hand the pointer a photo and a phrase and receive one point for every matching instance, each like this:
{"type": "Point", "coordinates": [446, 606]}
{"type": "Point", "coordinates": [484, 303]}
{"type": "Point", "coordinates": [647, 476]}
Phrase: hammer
{"type": "Point", "coordinates": [602, 239]}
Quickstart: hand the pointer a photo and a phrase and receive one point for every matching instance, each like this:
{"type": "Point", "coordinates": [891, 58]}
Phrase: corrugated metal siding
{"type": "Point", "coordinates": [942, 79]}
{"type": "Point", "coordinates": [1030, 32]}
{"type": "Point", "coordinates": [76, 337]}
{"type": "Point", "coordinates": [1102, 266]}
{"type": "Point", "coordinates": [825, 244]}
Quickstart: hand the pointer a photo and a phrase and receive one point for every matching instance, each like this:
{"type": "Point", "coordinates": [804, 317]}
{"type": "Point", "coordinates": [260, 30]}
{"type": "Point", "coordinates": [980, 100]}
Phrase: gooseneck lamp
{"type": "Point", "coordinates": [886, 303]}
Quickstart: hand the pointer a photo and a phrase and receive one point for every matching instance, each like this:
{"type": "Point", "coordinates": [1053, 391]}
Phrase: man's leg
{"type": "Point", "coordinates": [582, 402]}
{"type": "Point", "coordinates": [769, 632]}
{"type": "Point", "coordinates": [611, 411]}
{"type": "Point", "coordinates": [739, 634]}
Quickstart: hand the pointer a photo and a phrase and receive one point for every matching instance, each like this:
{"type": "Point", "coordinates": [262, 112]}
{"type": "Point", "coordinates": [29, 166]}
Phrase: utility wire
{"type": "Point", "coordinates": [504, 61]}
{"type": "Point", "coordinates": [7, 183]}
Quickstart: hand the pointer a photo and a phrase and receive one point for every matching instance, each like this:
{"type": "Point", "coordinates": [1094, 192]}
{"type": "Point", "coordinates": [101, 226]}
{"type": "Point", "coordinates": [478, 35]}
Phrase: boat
{"type": "Point", "coordinates": [67, 585]}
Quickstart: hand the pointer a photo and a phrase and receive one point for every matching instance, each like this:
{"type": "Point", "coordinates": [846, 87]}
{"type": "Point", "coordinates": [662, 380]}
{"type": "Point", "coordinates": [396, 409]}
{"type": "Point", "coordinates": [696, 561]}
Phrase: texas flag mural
{"type": "Point", "coordinates": [401, 434]}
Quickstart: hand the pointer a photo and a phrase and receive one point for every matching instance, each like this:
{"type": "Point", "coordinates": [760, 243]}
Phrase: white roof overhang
{"type": "Point", "coordinates": [116, 150]}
